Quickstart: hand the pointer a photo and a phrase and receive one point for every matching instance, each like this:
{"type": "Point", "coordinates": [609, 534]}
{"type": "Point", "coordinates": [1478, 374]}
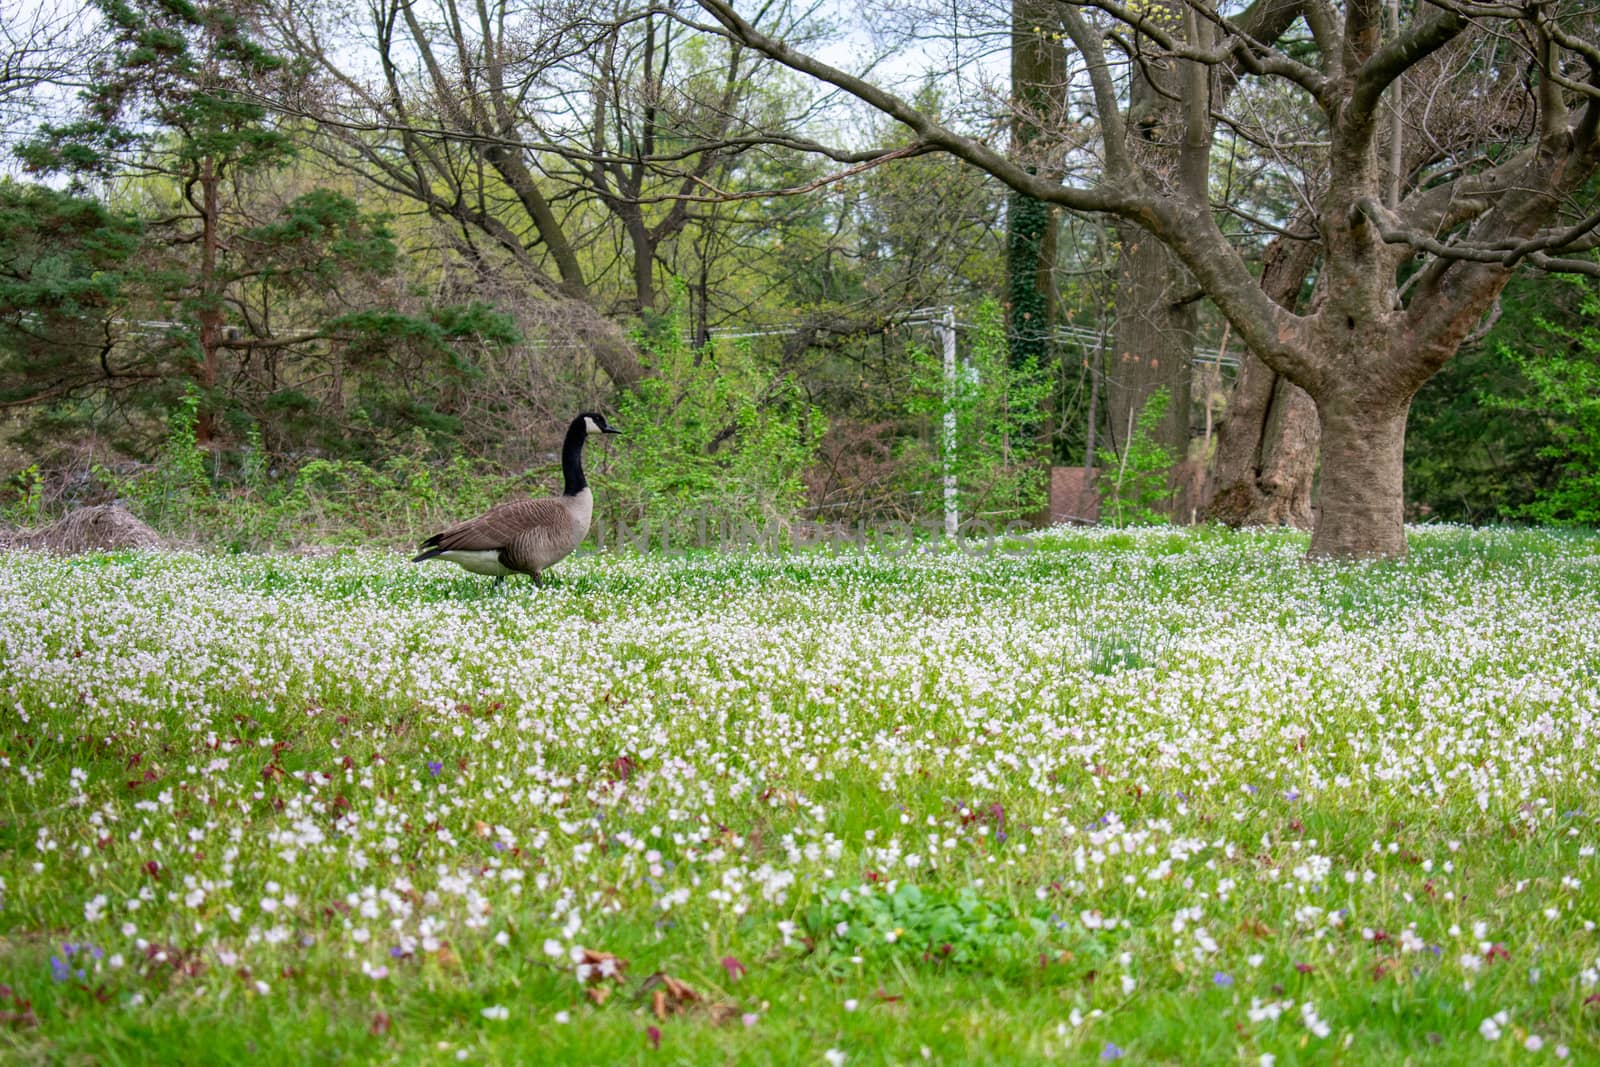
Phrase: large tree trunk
{"type": "Point", "coordinates": [1361, 510]}
{"type": "Point", "coordinates": [1267, 442]}
{"type": "Point", "coordinates": [1266, 452]}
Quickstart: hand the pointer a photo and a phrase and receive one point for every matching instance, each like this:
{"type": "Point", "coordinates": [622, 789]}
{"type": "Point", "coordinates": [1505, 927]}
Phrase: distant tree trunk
{"type": "Point", "coordinates": [1267, 442]}
{"type": "Point", "coordinates": [210, 302]}
{"type": "Point", "coordinates": [1157, 299]}
{"type": "Point", "coordinates": [1037, 72]}
{"type": "Point", "coordinates": [1153, 341]}
{"type": "Point", "coordinates": [1030, 255]}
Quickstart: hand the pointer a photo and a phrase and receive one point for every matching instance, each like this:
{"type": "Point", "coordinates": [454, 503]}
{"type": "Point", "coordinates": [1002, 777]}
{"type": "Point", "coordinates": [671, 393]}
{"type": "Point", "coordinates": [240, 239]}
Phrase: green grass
{"type": "Point", "coordinates": [1137, 792]}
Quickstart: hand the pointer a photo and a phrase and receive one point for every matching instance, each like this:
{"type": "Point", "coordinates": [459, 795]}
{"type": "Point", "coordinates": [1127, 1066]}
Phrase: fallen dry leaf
{"type": "Point", "coordinates": [601, 965]}
{"type": "Point", "coordinates": [668, 995]}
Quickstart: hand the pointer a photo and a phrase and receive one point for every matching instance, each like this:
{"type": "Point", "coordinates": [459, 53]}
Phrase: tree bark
{"type": "Point", "coordinates": [1267, 441]}
{"type": "Point", "coordinates": [1361, 514]}
{"type": "Point", "coordinates": [1266, 452]}
{"type": "Point", "coordinates": [210, 303]}
{"type": "Point", "coordinates": [1157, 299]}
{"type": "Point", "coordinates": [1037, 72]}
{"type": "Point", "coordinates": [1154, 340]}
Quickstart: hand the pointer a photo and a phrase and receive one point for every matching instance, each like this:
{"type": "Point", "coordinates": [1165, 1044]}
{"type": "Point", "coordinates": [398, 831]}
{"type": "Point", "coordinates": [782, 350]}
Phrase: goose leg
{"type": "Point", "coordinates": [537, 580]}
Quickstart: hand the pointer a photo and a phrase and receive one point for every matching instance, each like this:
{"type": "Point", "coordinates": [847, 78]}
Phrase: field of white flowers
{"type": "Point", "coordinates": [1160, 796]}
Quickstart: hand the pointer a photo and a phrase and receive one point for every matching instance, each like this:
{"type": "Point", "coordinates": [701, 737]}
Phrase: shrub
{"type": "Point", "coordinates": [1135, 487]}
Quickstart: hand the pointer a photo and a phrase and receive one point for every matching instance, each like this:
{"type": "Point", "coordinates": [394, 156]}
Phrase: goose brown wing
{"type": "Point", "coordinates": [498, 527]}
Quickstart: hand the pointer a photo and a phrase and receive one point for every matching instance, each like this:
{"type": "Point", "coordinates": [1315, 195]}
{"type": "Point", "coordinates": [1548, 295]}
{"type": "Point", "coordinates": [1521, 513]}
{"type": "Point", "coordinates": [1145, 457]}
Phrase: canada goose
{"type": "Point", "coordinates": [527, 536]}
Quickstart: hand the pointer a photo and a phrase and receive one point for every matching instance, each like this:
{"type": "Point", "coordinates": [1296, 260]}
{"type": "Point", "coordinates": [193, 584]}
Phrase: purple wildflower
{"type": "Point", "coordinates": [1111, 1052]}
{"type": "Point", "coordinates": [434, 767]}
{"type": "Point", "coordinates": [1222, 978]}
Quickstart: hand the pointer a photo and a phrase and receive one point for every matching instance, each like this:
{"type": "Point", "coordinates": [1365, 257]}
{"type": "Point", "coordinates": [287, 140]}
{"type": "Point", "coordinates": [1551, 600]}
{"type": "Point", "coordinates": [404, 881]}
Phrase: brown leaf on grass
{"type": "Point", "coordinates": [1255, 928]}
{"type": "Point", "coordinates": [668, 995]}
{"type": "Point", "coordinates": [671, 996]}
{"type": "Point", "coordinates": [380, 1025]}
{"type": "Point", "coordinates": [599, 994]}
{"type": "Point", "coordinates": [595, 966]}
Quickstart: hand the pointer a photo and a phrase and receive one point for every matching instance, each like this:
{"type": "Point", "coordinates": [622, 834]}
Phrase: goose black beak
{"type": "Point", "coordinates": [610, 429]}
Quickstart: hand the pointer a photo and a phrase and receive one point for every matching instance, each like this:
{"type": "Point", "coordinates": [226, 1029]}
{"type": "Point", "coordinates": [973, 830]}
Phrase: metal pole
{"type": "Point", "coordinates": [947, 332]}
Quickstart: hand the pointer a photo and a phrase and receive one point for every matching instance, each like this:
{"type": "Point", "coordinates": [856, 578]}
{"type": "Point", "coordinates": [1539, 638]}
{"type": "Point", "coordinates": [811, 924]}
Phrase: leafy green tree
{"type": "Point", "coordinates": [166, 102]}
{"type": "Point", "coordinates": [717, 438]}
{"type": "Point", "coordinates": [1135, 486]}
{"type": "Point", "coordinates": [998, 455]}
{"type": "Point", "coordinates": [1563, 366]}
{"type": "Point", "coordinates": [282, 310]}
{"type": "Point", "coordinates": [61, 258]}
{"type": "Point", "coordinates": [1500, 437]}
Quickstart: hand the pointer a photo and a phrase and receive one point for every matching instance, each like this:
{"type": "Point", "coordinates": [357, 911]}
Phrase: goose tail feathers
{"type": "Point", "coordinates": [430, 549]}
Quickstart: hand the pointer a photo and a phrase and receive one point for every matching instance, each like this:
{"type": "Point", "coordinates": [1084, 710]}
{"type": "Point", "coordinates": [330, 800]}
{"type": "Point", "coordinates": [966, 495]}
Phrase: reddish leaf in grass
{"type": "Point", "coordinates": [1592, 998]}
{"type": "Point", "coordinates": [654, 1034]}
{"type": "Point", "coordinates": [380, 1025]}
{"type": "Point", "coordinates": [1496, 952]}
{"type": "Point", "coordinates": [735, 969]}
{"type": "Point", "coordinates": [1303, 968]}
{"type": "Point", "coordinates": [886, 996]}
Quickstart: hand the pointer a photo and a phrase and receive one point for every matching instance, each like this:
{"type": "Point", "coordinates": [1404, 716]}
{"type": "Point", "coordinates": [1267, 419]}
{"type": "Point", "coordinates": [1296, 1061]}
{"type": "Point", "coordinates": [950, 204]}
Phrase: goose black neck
{"type": "Point", "coordinates": [572, 458]}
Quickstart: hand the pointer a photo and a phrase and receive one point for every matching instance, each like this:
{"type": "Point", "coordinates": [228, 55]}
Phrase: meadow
{"type": "Point", "coordinates": [1150, 796]}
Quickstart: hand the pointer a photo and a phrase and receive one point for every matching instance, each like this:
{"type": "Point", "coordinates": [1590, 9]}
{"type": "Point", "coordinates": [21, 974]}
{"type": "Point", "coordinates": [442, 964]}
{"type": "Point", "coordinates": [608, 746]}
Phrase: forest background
{"type": "Point", "coordinates": [275, 273]}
